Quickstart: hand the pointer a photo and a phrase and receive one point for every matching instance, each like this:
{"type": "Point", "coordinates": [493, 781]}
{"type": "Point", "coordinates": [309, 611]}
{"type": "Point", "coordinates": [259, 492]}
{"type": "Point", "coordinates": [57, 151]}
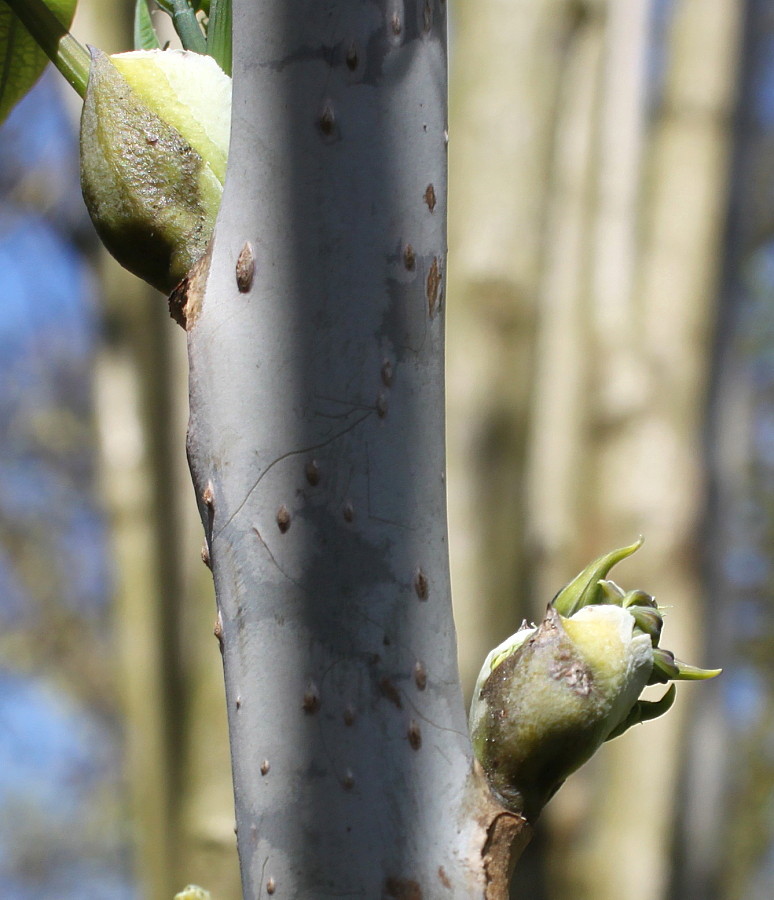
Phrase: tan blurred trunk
{"type": "Point", "coordinates": [639, 364]}
{"type": "Point", "coordinates": [128, 490]}
{"type": "Point", "coordinates": [506, 61]}
{"type": "Point", "coordinates": [584, 242]}
{"type": "Point", "coordinates": [178, 766]}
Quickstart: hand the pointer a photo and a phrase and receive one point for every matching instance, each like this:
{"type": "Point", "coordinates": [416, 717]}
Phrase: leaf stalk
{"type": "Point", "coordinates": [65, 52]}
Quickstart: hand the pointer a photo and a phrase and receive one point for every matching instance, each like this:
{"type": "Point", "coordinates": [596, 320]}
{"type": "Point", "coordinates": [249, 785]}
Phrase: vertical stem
{"type": "Point", "coordinates": [70, 57]}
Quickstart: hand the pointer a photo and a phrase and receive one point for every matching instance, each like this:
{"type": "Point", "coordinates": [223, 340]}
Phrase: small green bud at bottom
{"type": "Point", "coordinates": [193, 892]}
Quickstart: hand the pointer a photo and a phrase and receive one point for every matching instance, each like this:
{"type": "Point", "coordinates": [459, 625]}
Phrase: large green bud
{"type": "Point", "coordinates": [548, 697]}
{"type": "Point", "coordinates": [154, 146]}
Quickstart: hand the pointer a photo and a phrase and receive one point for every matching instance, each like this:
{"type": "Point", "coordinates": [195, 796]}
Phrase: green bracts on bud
{"type": "Point", "coordinates": [644, 711]}
{"type": "Point", "coordinates": [154, 145]}
{"type": "Point", "coordinates": [548, 697]}
{"type": "Point", "coordinates": [648, 620]}
{"type": "Point", "coordinates": [587, 588]}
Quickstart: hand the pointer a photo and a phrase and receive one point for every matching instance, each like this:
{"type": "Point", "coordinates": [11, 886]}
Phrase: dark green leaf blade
{"type": "Point", "coordinates": [145, 37]}
{"type": "Point", "coordinates": [219, 34]}
{"type": "Point", "coordinates": [21, 59]}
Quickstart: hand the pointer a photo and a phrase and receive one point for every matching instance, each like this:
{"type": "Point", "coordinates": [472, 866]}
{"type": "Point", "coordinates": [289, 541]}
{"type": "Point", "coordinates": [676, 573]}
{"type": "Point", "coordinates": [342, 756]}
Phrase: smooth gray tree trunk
{"type": "Point", "coordinates": [316, 444]}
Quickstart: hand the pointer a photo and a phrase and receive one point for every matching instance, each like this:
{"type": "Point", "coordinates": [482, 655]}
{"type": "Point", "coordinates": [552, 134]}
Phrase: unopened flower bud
{"type": "Point", "coordinates": [548, 697]}
{"type": "Point", "coordinates": [154, 145]}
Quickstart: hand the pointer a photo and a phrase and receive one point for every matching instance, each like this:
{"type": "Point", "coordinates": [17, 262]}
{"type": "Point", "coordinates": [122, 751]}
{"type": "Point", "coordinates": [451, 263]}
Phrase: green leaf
{"type": "Point", "coordinates": [145, 37]}
{"type": "Point", "coordinates": [21, 59]}
{"type": "Point", "coordinates": [186, 24]}
{"type": "Point", "coordinates": [219, 34]}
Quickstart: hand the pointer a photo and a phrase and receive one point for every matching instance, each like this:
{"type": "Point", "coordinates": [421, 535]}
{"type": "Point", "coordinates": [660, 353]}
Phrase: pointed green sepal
{"type": "Point", "coordinates": [644, 711]}
{"type": "Point", "coordinates": [648, 620]}
{"type": "Point", "coordinates": [667, 668]}
{"type": "Point", "coordinates": [585, 588]}
{"type": "Point", "coordinates": [610, 592]}
{"type": "Point", "coordinates": [694, 673]}
{"type": "Point", "coordinates": [638, 598]}
{"type": "Point", "coordinates": [664, 667]}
